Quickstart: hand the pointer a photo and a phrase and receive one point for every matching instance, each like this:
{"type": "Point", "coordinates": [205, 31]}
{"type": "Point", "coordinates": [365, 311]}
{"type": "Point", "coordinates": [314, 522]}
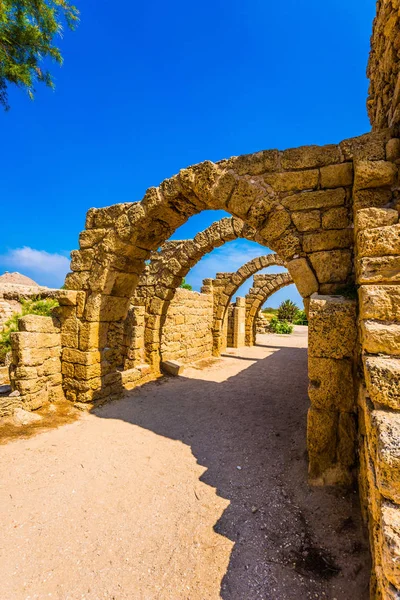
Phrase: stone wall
{"type": "Point", "coordinates": [384, 66]}
{"type": "Point", "coordinates": [332, 427]}
{"type": "Point", "coordinates": [378, 273]}
{"type": "Point", "coordinates": [35, 371]}
{"type": "Point", "coordinates": [187, 332]}
{"type": "Point", "coordinates": [236, 328]}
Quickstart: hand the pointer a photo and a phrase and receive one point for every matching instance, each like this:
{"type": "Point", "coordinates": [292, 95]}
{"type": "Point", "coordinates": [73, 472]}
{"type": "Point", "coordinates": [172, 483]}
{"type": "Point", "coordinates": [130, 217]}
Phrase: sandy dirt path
{"type": "Point", "coordinates": [191, 488]}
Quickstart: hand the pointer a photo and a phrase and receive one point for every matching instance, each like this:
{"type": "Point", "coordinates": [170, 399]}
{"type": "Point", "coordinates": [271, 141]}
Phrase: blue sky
{"type": "Point", "coordinates": [152, 87]}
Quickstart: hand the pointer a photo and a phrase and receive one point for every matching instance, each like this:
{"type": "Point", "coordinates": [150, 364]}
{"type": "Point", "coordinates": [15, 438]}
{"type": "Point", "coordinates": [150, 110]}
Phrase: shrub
{"type": "Point", "coordinates": [300, 318]}
{"type": "Point", "coordinates": [287, 311]}
{"type": "Point", "coordinates": [277, 326]}
{"type": "Point", "coordinates": [34, 306]}
{"type": "Point", "coordinates": [186, 286]}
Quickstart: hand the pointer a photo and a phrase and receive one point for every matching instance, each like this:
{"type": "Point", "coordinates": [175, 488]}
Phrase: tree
{"type": "Point", "coordinates": [27, 32]}
{"type": "Point", "coordinates": [287, 311]}
{"type": "Point", "coordinates": [186, 286]}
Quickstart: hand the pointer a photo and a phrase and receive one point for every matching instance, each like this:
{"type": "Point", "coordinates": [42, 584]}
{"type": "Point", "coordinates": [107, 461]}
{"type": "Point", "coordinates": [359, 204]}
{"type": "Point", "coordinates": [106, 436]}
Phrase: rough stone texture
{"type": "Point", "coordinates": [369, 218]}
{"type": "Point", "coordinates": [373, 174]}
{"type": "Point", "coordinates": [380, 302]}
{"type": "Point", "coordinates": [331, 385]}
{"type": "Point", "coordinates": [36, 366]}
{"type": "Point", "coordinates": [236, 324]}
{"type": "Point", "coordinates": [332, 327]}
{"type": "Point", "coordinates": [380, 241]}
{"type": "Point", "coordinates": [187, 332]}
{"type": "Point", "coordinates": [383, 380]}
{"type": "Point", "coordinates": [381, 338]}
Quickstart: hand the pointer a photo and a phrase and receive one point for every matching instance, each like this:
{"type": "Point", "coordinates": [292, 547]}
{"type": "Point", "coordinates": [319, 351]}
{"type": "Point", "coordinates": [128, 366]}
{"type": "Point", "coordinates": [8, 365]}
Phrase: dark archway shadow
{"type": "Point", "coordinates": [291, 541]}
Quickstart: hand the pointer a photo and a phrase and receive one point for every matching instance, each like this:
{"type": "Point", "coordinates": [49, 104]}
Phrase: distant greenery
{"type": "Point", "coordinates": [34, 306]}
{"type": "Point", "coordinates": [186, 286]}
{"type": "Point", "coordinates": [287, 311]}
{"type": "Point", "coordinates": [300, 318]}
{"type": "Point", "coordinates": [27, 32]}
{"type": "Point", "coordinates": [277, 326]}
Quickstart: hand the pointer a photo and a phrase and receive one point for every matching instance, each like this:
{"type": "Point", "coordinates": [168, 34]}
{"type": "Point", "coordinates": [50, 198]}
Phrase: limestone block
{"type": "Point", "coordinates": [335, 176]}
{"type": "Point", "coordinates": [92, 335]}
{"type": "Point", "coordinates": [393, 149]}
{"type": "Point", "coordinates": [277, 223]}
{"type": "Point", "coordinates": [381, 338]}
{"type": "Point", "coordinates": [67, 369]}
{"type": "Point", "coordinates": [347, 437]}
{"type": "Point", "coordinates": [380, 302]}
{"type": "Point", "coordinates": [385, 269]}
{"type": "Point", "coordinates": [371, 174]}
{"type": "Point", "coordinates": [39, 324]}
{"type": "Point", "coordinates": [56, 394]}
{"type": "Point", "coordinates": [30, 357]}
{"type": "Point", "coordinates": [303, 276]}
{"type": "Point", "coordinates": [380, 241]}
{"type": "Point", "coordinates": [369, 146]}
{"type": "Point", "coordinates": [376, 197]}
{"type": "Point", "coordinates": [306, 157]}
{"type": "Point", "coordinates": [382, 375]}
{"type": "Point", "coordinates": [321, 441]}
{"type": "Point", "coordinates": [332, 327]}
{"type": "Point", "coordinates": [90, 237]}
{"type": "Point", "coordinates": [331, 385]}
{"type": "Point", "coordinates": [307, 221]}
{"type": "Point", "coordinates": [25, 339]}
{"type": "Point", "coordinates": [100, 307]}
{"type": "Point", "coordinates": [51, 366]}
{"type": "Point", "coordinates": [332, 266]}
{"type": "Point", "coordinates": [335, 218]}
{"type": "Point", "coordinates": [292, 181]}
{"type": "Point", "coordinates": [81, 260]}
{"type": "Point", "coordinates": [328, 240]}
{"type": "Point", "coordinates": [81, 358]}
{"type": "Point", "coordinates": [369, 218]}
{"type": "Point", "coordinates": [390, 542]}
{"type": "Point", "coordinates": [385, 435]}
{"type": "Point", "coordinates": [314, 200]}
{"type": "Point", "coordinates": [35, 400]}
{"type": "Point", "coordinates": [253, 164]}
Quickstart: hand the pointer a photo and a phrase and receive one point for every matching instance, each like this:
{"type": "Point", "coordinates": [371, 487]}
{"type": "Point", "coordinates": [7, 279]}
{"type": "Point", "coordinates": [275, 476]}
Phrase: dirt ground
{"type": "Point", "coordinates": [190, 488]}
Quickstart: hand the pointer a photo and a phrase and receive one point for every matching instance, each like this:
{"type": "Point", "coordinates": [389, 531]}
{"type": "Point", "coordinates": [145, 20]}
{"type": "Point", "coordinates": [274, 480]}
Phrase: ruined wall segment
{"type": "Point", "coordinates": [187, 332]}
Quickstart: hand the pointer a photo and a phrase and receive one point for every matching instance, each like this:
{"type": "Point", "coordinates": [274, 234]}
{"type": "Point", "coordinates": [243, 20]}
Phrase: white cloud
{"type": "Point", "coordinates": [45, 268]}
{"type": "Point", "coordinates": [229, 258]}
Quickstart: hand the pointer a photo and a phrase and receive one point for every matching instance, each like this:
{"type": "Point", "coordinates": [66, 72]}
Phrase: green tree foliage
{"type": "Point", "coordinates": [287, 311]}
{"type": "Point", "coordinates": [34, 306]}
{"type": "Point", "coordinates": [300, 318]}
{"type": "Point", "coordinates": [277, 326]}
{"type": "Point", "coordinates": [186, 286]}
{"type": "Point", "coordinates": [27, 32]}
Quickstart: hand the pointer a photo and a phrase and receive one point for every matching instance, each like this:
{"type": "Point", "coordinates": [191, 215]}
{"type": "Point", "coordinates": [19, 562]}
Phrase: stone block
{"type": "Point", "coordinates": [393, 149]}
{"type": "Point", "coordinates": [390, 541]}
{"type": "Point", "coordinates": [321, 441]}
{"type": "Point", "coordinates": [307, 220]}
{"type": "Point", "coordinates": [335, 218]}
{"type": "Point", "coordinates": [331, 385]}
{"type": "Point", "coordinates": [314, 200]}
{"type": "Point", "coordinates": [303, 276]}
{"type": "Point", "coordinates": [31, 357]}
{"type": "Point", "coordinates": [172, 367]}
{"type": "Point", "coordinates": [347, 438]}
{"type": "Point", "coordinates": [331, 239]}
{"type": "Point", "coordinates": [335, 176]}
{"type": "Point", "coordinates": [380, 241]}
{"type": "Point", "coordinates": [100, 307]}
{"type": "Point", "coordinates": [385, 269]}
{"type": "Point", "coordinates": [306, 157]}
{"type": "Point", "coordinates": [369, 218]}
{"type": "Point", "coordinates": [332, 266]}
{"type": "Point", "coordinates": [376, 197]}
{"type": "Point", "coordinates": [382, 375]}
{"type": "Point", "coordinates": [374, 174]}
{"type": "Point", "coordinates": [380, 302]}
{"type": "Point", "coordinates": [25, 339]}
{"type": "Point", "coordinates": [278, 222]}
{"type": "Point", "coordinates": [39, 324]}
{"type": "Point", "coordinates": [332, 327]}
{"type": "Point", "coordinates": [293, 181]}
{"type": "Point", "coordinates": [81, 358]}
{"type": "Point", "coordinates": [381, 338]}
{"type": "Point", "coordinates": [385, 450]}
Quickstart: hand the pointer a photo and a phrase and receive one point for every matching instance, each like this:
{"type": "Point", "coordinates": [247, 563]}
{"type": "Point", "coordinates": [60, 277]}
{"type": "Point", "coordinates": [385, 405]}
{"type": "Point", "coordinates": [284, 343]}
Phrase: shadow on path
{"type": "Point", "coordinates": [290, 541]}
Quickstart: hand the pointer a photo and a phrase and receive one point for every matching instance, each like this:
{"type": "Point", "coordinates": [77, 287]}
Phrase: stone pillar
{"type": "Point", "coordinates": [332, 427]}
{"type": "Point", "coordinates": [236, 324]}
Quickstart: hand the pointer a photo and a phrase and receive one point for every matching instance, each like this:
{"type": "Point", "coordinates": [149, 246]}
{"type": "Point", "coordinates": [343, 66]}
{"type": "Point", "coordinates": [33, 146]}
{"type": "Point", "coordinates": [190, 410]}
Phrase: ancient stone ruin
{"type": "Point", "coordinates": [331, 216]}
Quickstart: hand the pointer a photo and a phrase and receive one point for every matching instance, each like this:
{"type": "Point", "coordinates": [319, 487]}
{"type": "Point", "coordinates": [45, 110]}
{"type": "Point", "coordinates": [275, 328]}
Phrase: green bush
{"type": "Point", "coordinates": [300, 318]}
{"type": "Point", "coordinates": [34, 306]}
{"type": "Point", "coordinates": [277, 326]}
{"type": "Point", "coordinates": [287, 311]}
{"type": "Point", "coordinates": [186, 286]}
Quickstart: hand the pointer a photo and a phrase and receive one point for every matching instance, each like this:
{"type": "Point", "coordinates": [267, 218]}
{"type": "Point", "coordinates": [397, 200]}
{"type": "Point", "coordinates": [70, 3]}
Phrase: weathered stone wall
{"type": "Point", "coordinates": [332, 427]}
{"type": "Point", "coordinates": [35, 371]}
{"type": "Point", "coordinates": [378, 273]}
{"type": "Point", "coordinates": [384, 66]}
{"type": "Point", "coordinates": [187, 332]}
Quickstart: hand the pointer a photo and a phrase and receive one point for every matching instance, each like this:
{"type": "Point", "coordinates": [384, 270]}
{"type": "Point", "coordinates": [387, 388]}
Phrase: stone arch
{"type": "Point", "coordinates": [171, 263]}
{"type": "Point", "coordinates": [263, 287]}
{"type": "Point", "coordinates": [298, 201]}
{"type": "Point", "coordinates": [225, 285]}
